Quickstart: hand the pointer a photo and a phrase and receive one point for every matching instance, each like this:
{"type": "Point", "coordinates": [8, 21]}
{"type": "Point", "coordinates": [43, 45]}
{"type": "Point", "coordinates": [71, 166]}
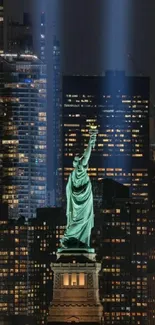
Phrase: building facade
{"type": "Point", "coordinates": [151, 299]}
{"type": "Point", "coordinates": [120, 240]}
{"type": "Point", "coordinates": [13, 266]}
{"type": "Point", "coordinates": [23, 134]}
{"type": "Point", "coordinates": [26, 252]}
{"type": "Point", "coordinates": [44, 237]}
{"type": "Point", "coordinates": [119, 105]}
{"type": "Point", "coordinates": [4, 262]}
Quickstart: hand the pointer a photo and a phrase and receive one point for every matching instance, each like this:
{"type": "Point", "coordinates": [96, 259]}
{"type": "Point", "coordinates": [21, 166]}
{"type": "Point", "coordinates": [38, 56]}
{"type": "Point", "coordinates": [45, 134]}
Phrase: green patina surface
{"type": "Point", "coordinates": [80, 212]}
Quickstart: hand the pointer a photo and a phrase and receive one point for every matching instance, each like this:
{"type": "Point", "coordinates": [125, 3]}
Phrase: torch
{"type": "Point", "coordinates": [93, 131]}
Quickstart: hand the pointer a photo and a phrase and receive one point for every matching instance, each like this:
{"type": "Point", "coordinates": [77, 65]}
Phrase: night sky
{"type": "Point", "coordinates": [85, 31]}
{"type": "Point", "coordinates": [87, 40]}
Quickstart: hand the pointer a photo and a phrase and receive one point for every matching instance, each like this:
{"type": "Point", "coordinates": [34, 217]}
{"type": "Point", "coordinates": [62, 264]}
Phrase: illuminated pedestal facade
{"type": "Point", "coordinates": [75, 289]}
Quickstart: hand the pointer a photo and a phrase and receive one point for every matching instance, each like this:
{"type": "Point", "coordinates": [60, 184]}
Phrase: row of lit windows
{"type": "Point", "coordinates": [74, 279]}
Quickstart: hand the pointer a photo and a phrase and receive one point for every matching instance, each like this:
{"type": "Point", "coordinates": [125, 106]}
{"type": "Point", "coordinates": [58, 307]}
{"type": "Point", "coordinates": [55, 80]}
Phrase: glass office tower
{"type": "Point", "coordinates": [23, 134]}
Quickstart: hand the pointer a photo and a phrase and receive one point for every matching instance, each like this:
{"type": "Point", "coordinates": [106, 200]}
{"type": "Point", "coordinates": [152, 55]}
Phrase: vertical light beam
{"type": "Point", "coordinates": [116, 39]}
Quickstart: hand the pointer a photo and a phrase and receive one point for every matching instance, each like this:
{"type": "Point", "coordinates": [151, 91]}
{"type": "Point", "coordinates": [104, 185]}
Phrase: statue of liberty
{"type": "Point", "coordinates": [80, 212]}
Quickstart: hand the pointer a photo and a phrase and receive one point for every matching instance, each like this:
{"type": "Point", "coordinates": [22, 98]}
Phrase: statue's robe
{"type": "Point", "coordinates": [80, 212]}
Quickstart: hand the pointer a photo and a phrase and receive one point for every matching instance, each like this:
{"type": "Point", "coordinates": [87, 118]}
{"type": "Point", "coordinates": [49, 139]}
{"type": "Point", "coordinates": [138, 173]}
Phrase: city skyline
{"type": "Point", "coordinates": [65, 65]}
{"type": "Point", "coordinates": [119, 106]}
{"type": "Point", "coordinates": [88, 43]}
{"type": "Point", "coordinates": [141, 22]}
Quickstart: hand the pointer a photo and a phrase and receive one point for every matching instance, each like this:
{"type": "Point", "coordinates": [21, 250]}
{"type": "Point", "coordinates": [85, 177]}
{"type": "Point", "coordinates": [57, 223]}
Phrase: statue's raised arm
{"type": "Point", "coordinates": [87, 152]}
{"type": "Point", "coordinates": [80, 213]}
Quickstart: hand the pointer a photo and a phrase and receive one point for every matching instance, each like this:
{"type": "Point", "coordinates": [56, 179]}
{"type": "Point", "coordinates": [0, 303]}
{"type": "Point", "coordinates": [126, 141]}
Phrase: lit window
{"type": "Point", "coordinates": [74, 279]}
{"type": "Point", "coordinates": [66, 279]}
{"type": "Point", "coordinates": [81, 279]}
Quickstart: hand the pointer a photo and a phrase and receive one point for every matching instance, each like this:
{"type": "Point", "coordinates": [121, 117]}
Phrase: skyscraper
{"type": "Point", "coordinates": [151, 299]}
{"type": "Point", "coordinates": [120, 241]}
{"type": "Point", "coordinates": [26, 252]}
{"type": "Point", "coordinates": [23, 134]}
{"type": "Point", "coordinates": [4, 262]}
{"type": "Point", "coordinates": [44, 236]}
{"type": "Point", "coordinates": [151, 248]}
{"type": "Point", "coordinates": [119, 105]}
{"type": "Point", "coordinates": [13, 267]}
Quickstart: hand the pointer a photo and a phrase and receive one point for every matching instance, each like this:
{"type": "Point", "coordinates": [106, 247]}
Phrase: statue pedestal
{"type": "Point", "coordinates": [89, 253]}
{"type": "Point", "coordinates": [75, 288]}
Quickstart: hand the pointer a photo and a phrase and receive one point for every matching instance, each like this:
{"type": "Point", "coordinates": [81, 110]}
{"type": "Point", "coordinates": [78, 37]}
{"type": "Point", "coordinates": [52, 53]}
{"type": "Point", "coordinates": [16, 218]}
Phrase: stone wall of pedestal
{"type": "Point", "coordinates": [75, 290]}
